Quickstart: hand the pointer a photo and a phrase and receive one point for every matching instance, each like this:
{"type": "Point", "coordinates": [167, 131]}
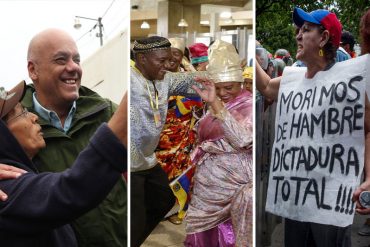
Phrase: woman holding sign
{"type": "Point", "coordinates": [220, 212]}
{"type": "Point", "coordinates": [315, 169]}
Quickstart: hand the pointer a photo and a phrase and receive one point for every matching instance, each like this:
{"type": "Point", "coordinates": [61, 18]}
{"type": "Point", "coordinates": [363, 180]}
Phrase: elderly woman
{"type": "Point", "coordinates": [220, 210]}
{"type": "Point", "coordinates": [318, 36]}
{"type": "Point", "coordinates": [40, 205]}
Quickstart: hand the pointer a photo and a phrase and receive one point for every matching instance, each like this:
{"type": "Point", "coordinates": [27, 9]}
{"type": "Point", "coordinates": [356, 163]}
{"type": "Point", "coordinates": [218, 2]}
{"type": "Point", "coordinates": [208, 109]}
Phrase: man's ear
{"type": "Point", "coordinates": [32, 70]}
{"type": "Point", "coordinates": [141, 58]}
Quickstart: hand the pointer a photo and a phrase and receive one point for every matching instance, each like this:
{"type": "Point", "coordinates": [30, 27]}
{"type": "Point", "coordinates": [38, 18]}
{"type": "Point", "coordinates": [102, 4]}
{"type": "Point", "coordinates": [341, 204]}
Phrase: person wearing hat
{"type": "Point", "coordinates": [180, 61]}
{"type": "Point", "coordinates": [40, 206]}
{"type": "Point", "coordinates": [177, 51]}
{"type": "Point", "coordinates": [318, 36]}
{"type": "Point", "coordinates": [220, 212]}
{"type": "Point", "coordinates": [69, 114]}
{"type": "Point", "coordinates": [199, 56]}
{"type": "Point", "coordinates": [248, 78]}
{"type": "Point", "coordinates": [151, 86]}
{"type": "Point", "coordinates": [177, 137]}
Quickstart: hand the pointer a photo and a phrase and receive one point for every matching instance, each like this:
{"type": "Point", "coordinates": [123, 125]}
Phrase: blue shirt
{"type": "Point", "coordinates": [52, 116]}
{"type": "Point", "coordinates": [342, 55]}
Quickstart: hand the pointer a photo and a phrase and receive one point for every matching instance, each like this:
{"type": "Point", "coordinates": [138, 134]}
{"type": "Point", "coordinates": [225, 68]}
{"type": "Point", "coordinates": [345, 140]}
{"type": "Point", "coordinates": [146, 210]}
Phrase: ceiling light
{"type": "Point", "coordinates": [205, 22]}
{"type": "Point", "coordinates": [145, 25]}
{"type": "Point", "coordinates": [183, 23]}
{"type": "Point", "coordinates": [225, 15]}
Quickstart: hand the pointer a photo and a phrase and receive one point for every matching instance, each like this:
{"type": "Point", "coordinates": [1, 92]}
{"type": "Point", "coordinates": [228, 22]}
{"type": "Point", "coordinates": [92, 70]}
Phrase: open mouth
{"type": "Point", "coordinates": [70, 81]}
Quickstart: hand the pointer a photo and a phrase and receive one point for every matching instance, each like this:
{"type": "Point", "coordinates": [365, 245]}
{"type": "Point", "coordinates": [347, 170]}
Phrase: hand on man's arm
{"type": "Point", "coordinates": [9, 172]}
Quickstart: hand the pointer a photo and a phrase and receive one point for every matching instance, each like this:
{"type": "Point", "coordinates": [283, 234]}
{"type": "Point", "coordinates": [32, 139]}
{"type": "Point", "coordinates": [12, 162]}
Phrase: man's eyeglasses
{"type": "Point", "coordinates": [24, 113]}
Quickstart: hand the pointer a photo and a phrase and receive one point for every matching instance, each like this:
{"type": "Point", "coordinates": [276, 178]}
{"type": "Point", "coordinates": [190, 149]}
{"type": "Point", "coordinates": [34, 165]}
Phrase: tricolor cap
{"type": "Point", "coordinates": [321, 17]}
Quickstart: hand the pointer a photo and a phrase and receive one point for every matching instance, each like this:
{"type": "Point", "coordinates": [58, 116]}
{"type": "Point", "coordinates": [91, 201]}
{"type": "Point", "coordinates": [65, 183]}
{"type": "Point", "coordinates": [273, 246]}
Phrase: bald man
{"type": "Point", "coordinates": [69, 114]}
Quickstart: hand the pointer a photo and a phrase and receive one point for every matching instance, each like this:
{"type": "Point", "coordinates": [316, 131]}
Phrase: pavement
{"type": "Point", "coordinates": [167, 234]}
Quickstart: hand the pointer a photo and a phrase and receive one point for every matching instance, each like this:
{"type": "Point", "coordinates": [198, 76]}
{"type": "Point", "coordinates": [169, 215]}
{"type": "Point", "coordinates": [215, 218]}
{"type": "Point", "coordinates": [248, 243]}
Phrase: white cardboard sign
{"type": "Point", "coordinates": [318, 154]}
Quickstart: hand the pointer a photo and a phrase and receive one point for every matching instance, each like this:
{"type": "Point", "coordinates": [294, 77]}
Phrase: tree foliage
{"type": "Point", "coordinates": [275, 28]}
{"type": "Point", "coordinates": [350, 12]}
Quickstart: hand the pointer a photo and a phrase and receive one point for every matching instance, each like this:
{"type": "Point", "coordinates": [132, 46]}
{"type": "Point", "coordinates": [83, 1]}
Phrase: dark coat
{"type": "Point", "coordinates": [106, 224]}
{"type": "Point", "coordinates": [40, 205]}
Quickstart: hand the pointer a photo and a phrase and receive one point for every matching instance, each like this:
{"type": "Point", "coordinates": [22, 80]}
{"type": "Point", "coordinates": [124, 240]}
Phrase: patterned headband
{"type": "Point", "coordinates": [160, 45]}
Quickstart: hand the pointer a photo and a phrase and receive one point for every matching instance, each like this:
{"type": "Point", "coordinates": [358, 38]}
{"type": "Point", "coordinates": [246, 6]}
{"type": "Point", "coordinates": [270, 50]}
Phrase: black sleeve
{"type": "Point", "coordinates": [38, 202]}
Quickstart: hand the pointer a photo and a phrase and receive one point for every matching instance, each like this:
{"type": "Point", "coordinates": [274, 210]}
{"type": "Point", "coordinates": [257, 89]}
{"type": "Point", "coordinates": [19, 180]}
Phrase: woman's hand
{"type": "Point", "coordinates": [208, 91]}
{"type": "Point", "coordinates": [365, 186]}
{"type": "Point", "coordinates": [9, 172]}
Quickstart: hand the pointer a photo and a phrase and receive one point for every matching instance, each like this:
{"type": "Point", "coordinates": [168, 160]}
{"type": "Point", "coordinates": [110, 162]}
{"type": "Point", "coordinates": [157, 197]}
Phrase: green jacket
{"type": "Point", "coordinates": [105, 225]}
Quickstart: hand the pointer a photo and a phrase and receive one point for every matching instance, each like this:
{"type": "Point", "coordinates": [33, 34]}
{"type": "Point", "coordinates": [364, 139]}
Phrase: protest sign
{"type": "Point", "coordinates": [318, 153]}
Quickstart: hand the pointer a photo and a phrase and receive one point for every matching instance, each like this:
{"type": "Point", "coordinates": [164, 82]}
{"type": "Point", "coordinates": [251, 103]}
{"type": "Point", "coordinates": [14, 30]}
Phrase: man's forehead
{"type": "Point", "coordinates": [65, 53]}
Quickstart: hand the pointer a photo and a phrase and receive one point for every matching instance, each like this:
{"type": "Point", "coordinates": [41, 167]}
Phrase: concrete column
{"type": "Point", "coordinates": [214, 23]}
{"type": "Point", "coordinates": [171, 12]}
{"type": "Point", "coordinates": [162, 21]}
{"type": "Point", "coordinates": [192, 16]}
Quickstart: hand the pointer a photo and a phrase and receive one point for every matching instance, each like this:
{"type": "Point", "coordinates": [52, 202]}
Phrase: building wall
{"type": "Point", "coordinates": [106, 71]}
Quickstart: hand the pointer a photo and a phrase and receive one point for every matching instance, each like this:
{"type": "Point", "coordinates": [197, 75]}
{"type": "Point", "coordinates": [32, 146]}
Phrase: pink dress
{"type": "Point", "coordinates": [221, 207]}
